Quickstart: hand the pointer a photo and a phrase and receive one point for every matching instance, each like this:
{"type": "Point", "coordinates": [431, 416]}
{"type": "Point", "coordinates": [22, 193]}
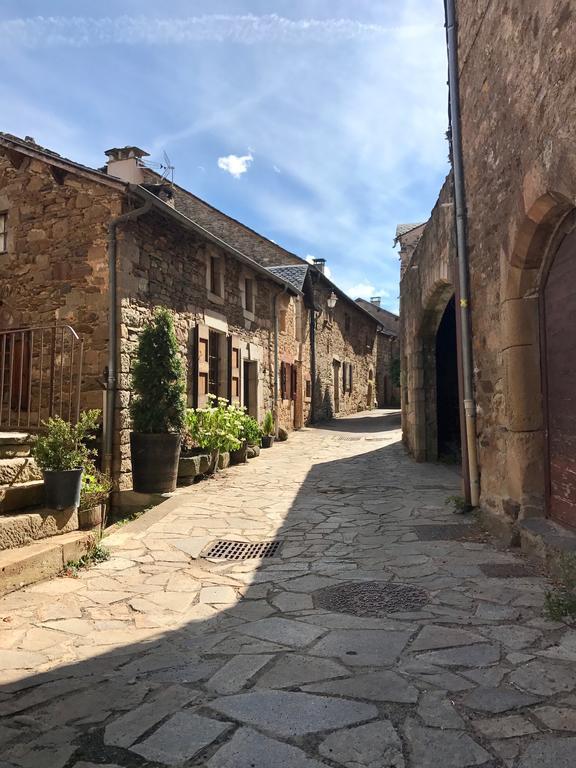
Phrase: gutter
{"type": "Point", "coordinates": [112, 372]}
{"type": "Point", "coordinates": [462, 248]}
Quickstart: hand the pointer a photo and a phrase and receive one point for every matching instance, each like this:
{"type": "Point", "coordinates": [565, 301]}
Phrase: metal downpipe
{"type": "Point", "coordinates": [112, 373]}
{"type": "Point", "coordinates": [461, 246]}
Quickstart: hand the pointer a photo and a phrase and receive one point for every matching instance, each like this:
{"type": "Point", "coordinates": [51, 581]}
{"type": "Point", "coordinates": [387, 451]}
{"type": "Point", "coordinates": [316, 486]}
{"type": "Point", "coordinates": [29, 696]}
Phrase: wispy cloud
{"type": "Point", "coordinates": [82, 31]}
{"type": "Point", "coordinates": [235, 165]}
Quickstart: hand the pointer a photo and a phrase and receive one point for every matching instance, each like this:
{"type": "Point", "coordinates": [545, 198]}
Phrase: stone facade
{"type": "Point", "coordinates": [387, 355]}
{"type": "Point", "coordinates": [221, 293]}
{"type": "Point", "coordinates": [518, 86]}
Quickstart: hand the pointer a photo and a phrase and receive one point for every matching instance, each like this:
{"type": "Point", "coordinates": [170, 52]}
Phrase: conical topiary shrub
{"type": "Point", "coordinates": [157, 407]}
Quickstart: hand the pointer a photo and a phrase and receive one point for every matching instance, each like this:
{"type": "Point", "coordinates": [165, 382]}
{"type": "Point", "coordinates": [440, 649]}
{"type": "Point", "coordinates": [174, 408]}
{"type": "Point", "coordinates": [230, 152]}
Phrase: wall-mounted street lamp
{"type": "Point", "coordinates": [332, 299]}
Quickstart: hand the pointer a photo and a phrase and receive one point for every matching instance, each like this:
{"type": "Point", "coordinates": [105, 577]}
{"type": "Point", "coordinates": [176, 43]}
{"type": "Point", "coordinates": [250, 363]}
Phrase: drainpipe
{"type": "Point", "coordinates": [276, 361]}
{"type": "Point", "coordinates": [313, 364]}
{"type": "Point", "coordinates": [111, 377]}
{"type": "Point", "coordinates": [461, 246]}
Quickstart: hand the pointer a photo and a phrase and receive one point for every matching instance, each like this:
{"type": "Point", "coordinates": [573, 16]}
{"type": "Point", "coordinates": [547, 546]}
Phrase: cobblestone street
{"type": "Point", "coordinates": [158, 657]}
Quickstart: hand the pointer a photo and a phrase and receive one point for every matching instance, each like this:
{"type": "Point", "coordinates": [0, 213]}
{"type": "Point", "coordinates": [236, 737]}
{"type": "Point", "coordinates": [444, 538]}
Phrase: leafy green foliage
{"type": "Point", "coordinates": [459, 505]}
{"type": "Point", "coordinates": [561, 601]}
{"type": "Point", "coordinates": [216, 427]}
{"type": "Point", "coordinates": [251, 431]}
{"type": "Point", "coordinates": [62, 445]}
{"type": "Point", "coordinates": [268, 426]}
{"type": "Point", "coordinates": [97, 554]}
{"type": "Point", "coordinates": [395, 372]}
{"type": "Point", "coordinates": [158, 379]}
{"type": "Point", "coordinates": [96, 487]}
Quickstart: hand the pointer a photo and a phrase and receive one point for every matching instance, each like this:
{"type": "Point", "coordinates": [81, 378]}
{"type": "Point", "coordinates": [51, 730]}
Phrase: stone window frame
{"type": "Point", "coordinates": [215, 269]}
{"type": "Point", "coordinates": [3, 231]}
{"type": "Point", "coordinates": [248, 302]}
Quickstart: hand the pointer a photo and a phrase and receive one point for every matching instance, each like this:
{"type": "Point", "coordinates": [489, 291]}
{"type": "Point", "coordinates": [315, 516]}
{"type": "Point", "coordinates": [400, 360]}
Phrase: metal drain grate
{"type": "Point", "coordinates": [507, 570]}
{"type": "Point", "coordinates": [371, 598]}
{"type": "Point", "coordinates": [242, 550]}
{"type": "Point", "coordinates": [449, 532]}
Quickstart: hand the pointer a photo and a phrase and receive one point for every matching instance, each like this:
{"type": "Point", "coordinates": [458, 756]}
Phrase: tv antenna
{"type": "Point", "coordinates": [165, 168]}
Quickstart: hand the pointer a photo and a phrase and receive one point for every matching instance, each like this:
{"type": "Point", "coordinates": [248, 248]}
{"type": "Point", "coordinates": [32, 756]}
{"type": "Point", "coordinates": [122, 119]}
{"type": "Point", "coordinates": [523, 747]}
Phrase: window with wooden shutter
{"type": "Point", "coordinates": [283, 382]}
{"type": "Point", "coordinates": [350, 377]}
{"type": "Point", "coordinates": [294, 382]}
{"type": "Point", "coordinates": [234, 369]}
{"type": "Point", "coordinates": [202, 366]}
{"type": "Point", "coordinates": [344, 378]}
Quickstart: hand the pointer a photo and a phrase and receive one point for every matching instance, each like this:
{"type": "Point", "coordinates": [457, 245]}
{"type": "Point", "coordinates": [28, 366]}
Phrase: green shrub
{"type": "Point", "coordinates": [62, 445]}
{"type": "Point", "coordinates": [251, 431]}
{"type": "Point", "coordinates": [96, 487]}
{"type": "Point", "coordinates": [158, 379]}
{"type": "Point", "coordinates": [268, 426]}
{"type": "Point", "coordinates": [216, 427]}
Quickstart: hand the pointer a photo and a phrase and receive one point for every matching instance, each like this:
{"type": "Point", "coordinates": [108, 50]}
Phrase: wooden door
{"type": "Point", "coordinates": [558, 304]}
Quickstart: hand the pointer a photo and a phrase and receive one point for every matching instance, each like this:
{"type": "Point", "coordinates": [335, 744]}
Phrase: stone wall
{"type": "Point", "coordinates": [55, 267]}
{"type": "Point", "coordinates": [388, 351]}
{"type": "Point", "coordinates": [344, 335]}
{"type": "Point", "coordinates": [518, 88]}
{"type": "Point", "coordinates": [162, 265]}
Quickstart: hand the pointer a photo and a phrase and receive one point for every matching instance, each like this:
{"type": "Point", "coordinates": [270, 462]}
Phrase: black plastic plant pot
{"type": "Point", "coordinates": [154, 462]}
{"type": "Point", "coordinates": [62, 489]}
{"type": "Point", "coordinates": [267, 441]}
{"type": "Point", "coordinates": [241, 455]}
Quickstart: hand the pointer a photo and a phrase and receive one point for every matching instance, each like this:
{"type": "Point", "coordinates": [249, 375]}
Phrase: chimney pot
{"type": "Point", "coordinates": [126, 163]}
{"type": "Point", "coordinates": [375, 300]}
{"type": "Point", "coordinates": [320, 264]}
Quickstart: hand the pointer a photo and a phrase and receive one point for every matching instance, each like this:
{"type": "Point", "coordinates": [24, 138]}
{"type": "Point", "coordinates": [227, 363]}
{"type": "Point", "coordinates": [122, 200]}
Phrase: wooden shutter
{"type": "Point", "coordinates": [283, 381]}
{"type": "Point", "coordinates": [234, 369]}
{"type": "Point", "coordinates": [294, 382]}
{"type": "Point", "coordinates": [344, 377]}
{"type": "Point", "coordinates": [202, 366]}
{"type": "Point", "coordinates": [350, 378]}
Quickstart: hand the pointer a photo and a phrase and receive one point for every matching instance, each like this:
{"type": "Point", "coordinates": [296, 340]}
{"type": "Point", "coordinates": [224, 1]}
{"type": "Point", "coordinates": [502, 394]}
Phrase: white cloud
{"type": "Point", "coordinates": [235, 165]}
{"type": "Point", "coordinates": [247, 29]}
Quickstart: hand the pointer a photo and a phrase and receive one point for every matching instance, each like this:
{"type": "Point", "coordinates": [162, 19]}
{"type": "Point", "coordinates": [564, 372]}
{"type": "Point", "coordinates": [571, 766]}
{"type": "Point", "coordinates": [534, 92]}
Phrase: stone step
{"type": "Point", "coordinates": [34, 524]}
{"type": "Point", "coordinates": [14, 498]}
{"type": "Point", "coordinates": [42, 559]}
{"type": "Point", "coordinates": [18, 470]}
{"type": "Point", "coordinates": [15, 445]}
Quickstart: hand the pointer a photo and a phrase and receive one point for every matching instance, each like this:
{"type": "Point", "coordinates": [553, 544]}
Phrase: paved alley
{"type": "Point", "coordinates": [387, 632]}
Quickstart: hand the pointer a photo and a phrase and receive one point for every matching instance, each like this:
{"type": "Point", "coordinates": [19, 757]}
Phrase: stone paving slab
{"type": "Point", "coordinates": [159, 657]}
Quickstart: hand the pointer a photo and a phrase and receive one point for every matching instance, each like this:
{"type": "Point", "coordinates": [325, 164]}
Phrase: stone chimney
{"type": "Point", "coordinates": [375, 300]}
{"type": "Point", "coordinates": [126, 163]}
{"type": "Point", "coordinates": [320, 264]}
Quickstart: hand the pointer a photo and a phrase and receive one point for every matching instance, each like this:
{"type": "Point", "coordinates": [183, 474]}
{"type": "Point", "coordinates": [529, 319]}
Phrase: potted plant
{"type": "Point", "coordinates": [215, 429]}
{"type": "Point", "coordinates": [94, 493]}
{"type": "Point", "coordinates": [268, 430]}
{"type": "Point", "coordinates": [61, 454]}
{"type": "Point", "coordinates": [157, 407]}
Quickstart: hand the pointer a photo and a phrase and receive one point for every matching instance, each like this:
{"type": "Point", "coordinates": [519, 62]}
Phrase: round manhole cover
{"type": "Point", "coordinates": [371, 598]}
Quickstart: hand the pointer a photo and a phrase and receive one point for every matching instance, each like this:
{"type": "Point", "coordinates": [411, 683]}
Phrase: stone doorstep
{"type": "Point", "coordinates": [21, 529]}
{"type": "Point", "coordinates": [18, 470]}
{"type": "Point", "coordinates": [21, 496]}
{"type": "Point", "coordinates": [41, 560]}
{"type": "Point", "coordinates": [542, 538]}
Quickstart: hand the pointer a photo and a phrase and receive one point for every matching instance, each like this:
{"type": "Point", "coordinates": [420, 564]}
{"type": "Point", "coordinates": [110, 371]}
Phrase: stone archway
{"type": "Point", "coordinates": [425, 387]}
{"type": "Point", "coordinates": [544, 226]}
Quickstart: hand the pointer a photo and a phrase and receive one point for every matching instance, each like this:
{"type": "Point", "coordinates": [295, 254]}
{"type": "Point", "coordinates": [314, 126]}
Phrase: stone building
{"type": "Point", "coordinates": [388, 353]}
{"type": "Point", "coordinates": [517, 90]}
{"type": "Point", "coordinates": [73, 238]}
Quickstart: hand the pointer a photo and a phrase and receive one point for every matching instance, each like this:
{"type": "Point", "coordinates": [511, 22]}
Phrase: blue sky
{"type": "Point", "coordinates": [319, 123]}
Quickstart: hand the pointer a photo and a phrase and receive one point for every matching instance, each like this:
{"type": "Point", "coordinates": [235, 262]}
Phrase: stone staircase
{"type": "Point", "coordinates": [25, 521]}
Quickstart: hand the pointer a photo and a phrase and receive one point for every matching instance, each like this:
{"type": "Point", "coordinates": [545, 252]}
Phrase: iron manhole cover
{"type": "Point", "coordinates": [371, 598]}
{"type": "Point", "coordinates": [448, 532]}
{"type": "Point", "coordinates": [507, 570]}
{"type": "Point", "coordinates": [242, 550]}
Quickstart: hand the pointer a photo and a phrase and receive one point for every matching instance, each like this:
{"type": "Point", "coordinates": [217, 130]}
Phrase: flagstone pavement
{"type": "Point", "coordinates": [158, 657]}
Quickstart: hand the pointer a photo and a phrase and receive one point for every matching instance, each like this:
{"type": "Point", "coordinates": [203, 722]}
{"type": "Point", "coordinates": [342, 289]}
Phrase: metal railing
{"type": "Point", "coordinates": [40, 375]}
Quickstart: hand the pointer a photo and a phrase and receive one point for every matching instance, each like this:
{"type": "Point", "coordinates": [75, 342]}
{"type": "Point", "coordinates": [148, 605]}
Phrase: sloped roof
{"type": "Point", "coordinates": [292, 273]}
{"type": "Point", "coordinates": [388, 320]}
{"type": "Point", "coordinates": [403, 229]}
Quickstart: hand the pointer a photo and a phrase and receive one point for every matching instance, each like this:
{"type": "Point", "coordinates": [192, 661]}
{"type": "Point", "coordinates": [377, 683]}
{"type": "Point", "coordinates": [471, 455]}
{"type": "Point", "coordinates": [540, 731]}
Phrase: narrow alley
{"type": "Point", "coordinates": [385, 632]}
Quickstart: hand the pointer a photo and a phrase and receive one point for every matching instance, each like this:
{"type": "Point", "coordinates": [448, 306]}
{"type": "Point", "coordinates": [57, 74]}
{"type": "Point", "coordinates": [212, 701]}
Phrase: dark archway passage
{"type": "Point", "coordinates": [447, 407]}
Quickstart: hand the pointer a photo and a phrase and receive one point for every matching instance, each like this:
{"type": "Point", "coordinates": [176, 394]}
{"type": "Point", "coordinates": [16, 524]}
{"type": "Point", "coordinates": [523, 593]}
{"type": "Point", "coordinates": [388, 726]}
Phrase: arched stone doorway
{"type": "Point", "coordinates": [437, 432]}
{"type": "Point", "coordinates": [528, 328]}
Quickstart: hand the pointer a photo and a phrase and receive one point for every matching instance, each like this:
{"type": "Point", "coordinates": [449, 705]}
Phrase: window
{"type": "Point", "coordinates": [214, 363]}
{"type": "Point", "coordinates": [308, 394]}
{"type": "Point", "coordinates": [249, 295]}
{"type": "Point", "coordinates": [215, 275]}
{"type": "Point", "coordinates": [3, 232]}
{"type": "Point", "coordinates": [346, 322]}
